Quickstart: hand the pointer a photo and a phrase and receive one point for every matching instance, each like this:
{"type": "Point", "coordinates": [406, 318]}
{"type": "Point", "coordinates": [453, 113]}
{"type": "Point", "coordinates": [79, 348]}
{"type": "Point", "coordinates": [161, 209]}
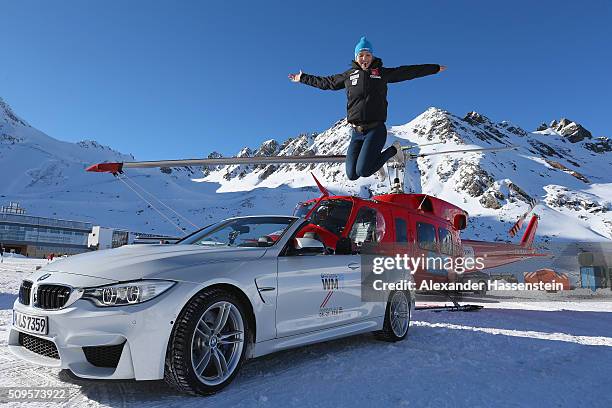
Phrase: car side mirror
{"type": "Point", "coordinates": [303, 246]}
{"type": "Point", "coordinates": [264, 241]}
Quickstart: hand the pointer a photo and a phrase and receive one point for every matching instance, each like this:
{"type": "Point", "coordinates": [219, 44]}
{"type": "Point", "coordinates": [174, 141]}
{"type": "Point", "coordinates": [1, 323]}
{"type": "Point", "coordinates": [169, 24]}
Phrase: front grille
{"type": "Point", "coordinates": [104, 356]}
{"type": "Point", "coordinates": [52, 296]}
{"type": "Point", "coordinates": [39, 346]}
{"type": "Point", "coordinates": [24, 292]}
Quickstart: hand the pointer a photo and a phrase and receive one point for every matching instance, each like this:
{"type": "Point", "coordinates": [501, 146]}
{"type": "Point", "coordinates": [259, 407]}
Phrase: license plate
{"type": "Point", "coordinates": [30, 324]}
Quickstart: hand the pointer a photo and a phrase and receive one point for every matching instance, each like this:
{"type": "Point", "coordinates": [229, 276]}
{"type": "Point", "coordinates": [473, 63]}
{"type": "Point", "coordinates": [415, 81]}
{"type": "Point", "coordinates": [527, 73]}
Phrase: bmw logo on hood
{"type": "Point", "coordinates": [45, 276]}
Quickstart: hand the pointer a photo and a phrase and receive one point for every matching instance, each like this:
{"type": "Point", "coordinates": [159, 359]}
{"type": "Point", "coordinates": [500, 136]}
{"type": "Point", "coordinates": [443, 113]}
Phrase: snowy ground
{"type": "Point", "coordinates": [494, 357]}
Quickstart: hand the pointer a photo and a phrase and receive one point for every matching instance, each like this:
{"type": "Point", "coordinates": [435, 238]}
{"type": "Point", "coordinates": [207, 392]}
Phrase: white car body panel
{"type": "Point", "coordinates": [305, 305]}
{"type": "Point", "coordinates": [286, 294]}
{"type": "Point", "coordinates": [151, 261]}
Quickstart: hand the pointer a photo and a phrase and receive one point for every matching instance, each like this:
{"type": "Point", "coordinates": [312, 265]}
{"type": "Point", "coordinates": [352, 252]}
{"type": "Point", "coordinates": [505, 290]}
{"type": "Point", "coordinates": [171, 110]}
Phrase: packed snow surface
{"type": "Point", "coordinates": [495, 357]}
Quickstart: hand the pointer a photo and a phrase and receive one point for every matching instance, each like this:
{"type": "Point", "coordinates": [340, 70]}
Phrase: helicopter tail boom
{"type": "Point", "coordinates": [113, 168]}
{"type": "Point", "coordinates": [528, 237]}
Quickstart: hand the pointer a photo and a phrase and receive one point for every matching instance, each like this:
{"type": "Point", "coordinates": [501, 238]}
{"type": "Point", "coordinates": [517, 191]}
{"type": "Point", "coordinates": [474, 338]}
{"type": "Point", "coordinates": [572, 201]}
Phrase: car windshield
{"type": "Point", "coordinates": [241, 232]}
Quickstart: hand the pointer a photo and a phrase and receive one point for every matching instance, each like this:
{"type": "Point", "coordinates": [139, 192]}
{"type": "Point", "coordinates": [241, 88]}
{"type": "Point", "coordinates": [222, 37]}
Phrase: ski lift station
{"type": "Point", "coordinates": [37, 237]}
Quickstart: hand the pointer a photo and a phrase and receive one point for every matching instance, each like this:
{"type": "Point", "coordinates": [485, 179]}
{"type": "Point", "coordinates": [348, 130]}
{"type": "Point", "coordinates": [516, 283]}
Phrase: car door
{"type": "Point", "coordinates": [317, 292]}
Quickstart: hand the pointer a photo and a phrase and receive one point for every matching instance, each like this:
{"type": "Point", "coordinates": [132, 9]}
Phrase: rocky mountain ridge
{"type": "Point", "coordinates": [561, 166]}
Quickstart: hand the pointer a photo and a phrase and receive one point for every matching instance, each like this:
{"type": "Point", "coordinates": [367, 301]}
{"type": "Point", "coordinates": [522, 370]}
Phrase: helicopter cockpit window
{"type": "Point", "coordinates": [369, 226]}
{"type": "Point", "coordinates": [446, 241]}
{"type": "Point", "coordinates": [301, 209]}
{"type": "Point", "coordinates": [426, 236]}
{"type": "Point", "coordinates": [332, 215]}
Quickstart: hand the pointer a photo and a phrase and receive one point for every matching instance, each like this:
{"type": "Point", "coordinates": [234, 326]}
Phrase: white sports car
{"type": "Point", "coordinates": [191, 313]}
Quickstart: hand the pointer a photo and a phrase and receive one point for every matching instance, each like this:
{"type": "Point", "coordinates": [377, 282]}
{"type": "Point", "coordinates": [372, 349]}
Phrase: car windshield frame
{"type": "Point", "coordinates": [192, 238]}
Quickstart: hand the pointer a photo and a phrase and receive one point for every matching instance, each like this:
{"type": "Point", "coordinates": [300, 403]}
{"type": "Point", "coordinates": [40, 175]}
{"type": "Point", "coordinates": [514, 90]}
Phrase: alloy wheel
{"type": "Point", "coordinates": [217, 343]}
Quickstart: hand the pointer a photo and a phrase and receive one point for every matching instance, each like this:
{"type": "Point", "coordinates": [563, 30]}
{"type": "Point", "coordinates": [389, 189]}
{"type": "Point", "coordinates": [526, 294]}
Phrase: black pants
{"type": "Point", "coordinates": [364, 156]}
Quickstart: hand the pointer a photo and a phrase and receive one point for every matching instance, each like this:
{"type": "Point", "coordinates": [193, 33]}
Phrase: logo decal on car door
{"type": "Point", "coordinates": [331, 282]}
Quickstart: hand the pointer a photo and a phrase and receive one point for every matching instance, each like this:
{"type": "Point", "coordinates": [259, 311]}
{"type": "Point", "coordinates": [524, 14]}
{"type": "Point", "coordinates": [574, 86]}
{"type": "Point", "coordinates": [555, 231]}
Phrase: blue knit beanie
{"type": "Point", "coordinates": [363, 45]}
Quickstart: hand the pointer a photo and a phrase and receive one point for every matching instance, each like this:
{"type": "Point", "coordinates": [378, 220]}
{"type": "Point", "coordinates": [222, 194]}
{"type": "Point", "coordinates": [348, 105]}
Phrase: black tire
{"type": "Point", "coordinates": [179, 371]}
{"type": "Point", "coordinates": [388, 333]}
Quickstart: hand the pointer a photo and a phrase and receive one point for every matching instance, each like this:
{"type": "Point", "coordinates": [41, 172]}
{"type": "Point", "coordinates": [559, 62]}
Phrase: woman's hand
{"type": "Point", "coordinates": [295, 77]}
{"type": "Point", "coordinates": [442, 68]}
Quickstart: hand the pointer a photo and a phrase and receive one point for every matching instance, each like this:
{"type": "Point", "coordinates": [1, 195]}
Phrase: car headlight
{"type": "Point", "coordinates": [127, 293]}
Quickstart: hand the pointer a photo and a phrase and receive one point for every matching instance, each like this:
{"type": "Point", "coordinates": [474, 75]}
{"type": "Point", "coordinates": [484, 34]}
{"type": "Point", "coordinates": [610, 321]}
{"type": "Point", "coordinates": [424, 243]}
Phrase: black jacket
{"type": "Point", "coordinates": [367, 90]}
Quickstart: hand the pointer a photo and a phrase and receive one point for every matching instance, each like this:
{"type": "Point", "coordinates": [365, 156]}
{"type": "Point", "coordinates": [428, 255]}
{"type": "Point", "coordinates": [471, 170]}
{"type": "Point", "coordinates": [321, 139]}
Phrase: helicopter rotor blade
{"type": "Point", "coordinates": [485, 149]}
{"type": "Point", "coordinates": [420, 145]}
{"type": "Point", "coordinates": [224, 161]}
{"type": "Point", "coordinates": [228, 161]}
{"type": "Point", "coordinates": [221, 161]}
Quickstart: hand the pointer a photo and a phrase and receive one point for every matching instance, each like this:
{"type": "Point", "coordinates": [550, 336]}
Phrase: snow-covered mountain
{"type": "Point", "coordinates": [561, 165]}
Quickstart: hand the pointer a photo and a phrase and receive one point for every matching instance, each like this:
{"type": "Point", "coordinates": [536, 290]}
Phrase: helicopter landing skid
{"type": "Point", "coordinates": [456, 307]}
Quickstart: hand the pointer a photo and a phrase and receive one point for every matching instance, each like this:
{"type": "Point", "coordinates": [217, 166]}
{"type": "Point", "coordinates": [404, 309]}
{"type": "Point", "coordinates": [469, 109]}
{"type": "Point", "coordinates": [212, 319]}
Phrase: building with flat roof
{"type": "Point", "coordinates": [39, 236]}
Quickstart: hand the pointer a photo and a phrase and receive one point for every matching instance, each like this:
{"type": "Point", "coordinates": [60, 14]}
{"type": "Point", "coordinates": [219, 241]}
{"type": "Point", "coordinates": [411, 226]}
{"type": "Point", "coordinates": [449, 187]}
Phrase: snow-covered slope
{"type": "Point", "coordinates": [48, 178]}
{"type": "Point", "coordinates": [561, 165]}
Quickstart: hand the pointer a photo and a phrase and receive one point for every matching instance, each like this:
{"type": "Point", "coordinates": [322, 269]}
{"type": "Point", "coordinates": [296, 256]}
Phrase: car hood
{"type": "Point", "coordinates": [147, 261]}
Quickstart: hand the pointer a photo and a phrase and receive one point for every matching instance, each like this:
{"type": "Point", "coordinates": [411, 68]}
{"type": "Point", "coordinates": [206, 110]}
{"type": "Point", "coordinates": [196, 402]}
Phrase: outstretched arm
{"type": "Point", "coordinates": [296, 77]}
{"type": "Point", "coordinates": [333, 82]}
{"type": "Point", "coordinates": [408, 72]}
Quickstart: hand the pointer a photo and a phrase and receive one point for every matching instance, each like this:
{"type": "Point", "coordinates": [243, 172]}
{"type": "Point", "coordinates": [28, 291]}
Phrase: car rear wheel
{"type": "Point", "coordinates": [397, 317]}
{"type": "Point", "coordinates": [208, 343]}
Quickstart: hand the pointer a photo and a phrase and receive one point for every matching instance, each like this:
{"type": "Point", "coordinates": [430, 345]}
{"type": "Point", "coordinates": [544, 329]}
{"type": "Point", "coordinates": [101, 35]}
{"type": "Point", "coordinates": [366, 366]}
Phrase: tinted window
{"type": "Point", "coordinates": [426, 236]}
{"type": "Point", "coordinates": [446, 241]}
{"type": "Point", "coordinates": [401, 234]}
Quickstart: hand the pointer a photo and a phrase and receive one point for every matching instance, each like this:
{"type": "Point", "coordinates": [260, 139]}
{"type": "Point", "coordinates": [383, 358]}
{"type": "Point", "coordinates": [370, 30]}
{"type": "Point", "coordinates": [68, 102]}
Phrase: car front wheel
{"type": "Point", "coordinates": [208, 343]}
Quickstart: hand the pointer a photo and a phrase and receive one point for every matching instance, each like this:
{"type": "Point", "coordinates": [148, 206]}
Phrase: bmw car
{"type": "Point", "coordinates": [191, 313]}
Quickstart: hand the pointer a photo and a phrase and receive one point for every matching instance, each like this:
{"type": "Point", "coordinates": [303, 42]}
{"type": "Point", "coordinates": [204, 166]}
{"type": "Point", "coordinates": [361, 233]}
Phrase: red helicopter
{"type": "Point", "coordinates": [417, 224]}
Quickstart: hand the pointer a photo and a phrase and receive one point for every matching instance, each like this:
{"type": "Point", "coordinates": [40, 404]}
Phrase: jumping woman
{"type": "Point", "coordinates": [366, 91]}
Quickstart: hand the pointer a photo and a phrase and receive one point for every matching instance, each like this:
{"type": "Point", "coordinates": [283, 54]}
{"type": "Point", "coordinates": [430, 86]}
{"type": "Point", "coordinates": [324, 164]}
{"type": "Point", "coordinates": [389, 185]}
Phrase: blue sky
{"type": "Point", "coordinates": [178, 79]}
